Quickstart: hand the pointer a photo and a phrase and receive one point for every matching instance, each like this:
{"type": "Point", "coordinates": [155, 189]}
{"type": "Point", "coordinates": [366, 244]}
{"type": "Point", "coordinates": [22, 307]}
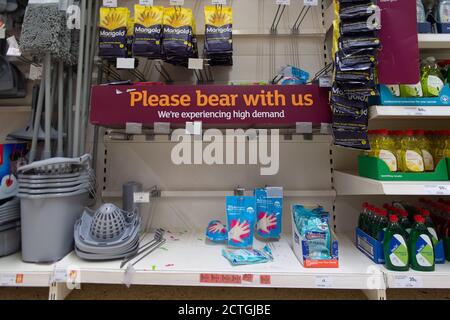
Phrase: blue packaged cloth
{"type": "Point", "coordinates": [269, 211]}
{"type": "Point", "coordinates": [313, 227]}
{"type": "Point", "coordinates": [216, 231]}
{"type": "Point", "coordinates": [244, 257]}
{"type": "Point", "coordinates": [241, 216]}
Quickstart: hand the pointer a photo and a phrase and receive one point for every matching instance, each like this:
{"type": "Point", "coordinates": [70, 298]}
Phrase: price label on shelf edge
{"type": "Point", "coordinates": [141, 197]}
{"type": "Point", "coordinates": [176, 2]}
{"type": "Point", "coordinates": [283, 2]}
{"type": "Point", "coordinates": [11, 279]}
{"type": "Point", "coordinates": [311, 3]}
{"type": "Point", "coordinates": [219, 2]}
{"type": "Point", "coordinates": [438, 190]}
{"type": "Point", "coordinates": [416, 111]}
{"type": "Point", "coordinates": [110, 3]}
{"type": "Point", "coordinates": [404, 281]}
{"type": "Point", "coordinates": [146, 2]}
{"type": "Point", "coordinates": [324, 282]}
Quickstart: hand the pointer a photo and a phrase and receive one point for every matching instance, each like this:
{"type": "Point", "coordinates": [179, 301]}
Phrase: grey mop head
{"type": "Point", "coordinates": [44, 30]}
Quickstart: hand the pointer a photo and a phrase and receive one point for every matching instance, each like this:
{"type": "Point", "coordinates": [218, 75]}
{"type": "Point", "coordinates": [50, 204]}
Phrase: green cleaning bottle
{"type": "Point", "coordinates": [380, 225]}
{"type": "Point", "coordinates": [404, 222]}
{"type": "Point", "coordinates": [430, 226]}
{"type": "Point", "coordinates": [421, 250]}
{"type": "Point", "coordinates": [394, 246]}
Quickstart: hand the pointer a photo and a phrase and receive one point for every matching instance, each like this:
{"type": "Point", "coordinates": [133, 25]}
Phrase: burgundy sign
{"type": "Point", "coordinates": [211, 104]}
{"type": "Point", "coordinates": [399, 57]}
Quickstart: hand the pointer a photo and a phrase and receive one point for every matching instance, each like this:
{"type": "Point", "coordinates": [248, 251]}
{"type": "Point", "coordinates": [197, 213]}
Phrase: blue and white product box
{"type": "Point", "coordinates": [443, 27]}
{"type": "Point", "coordinates": [11, 156]}
{"type": "Point", "coordinates": [424, 27]}
{"type": "Point", "coordinates": [303, 252]}
{"type": "Point", "coordinates": [373, 248]}
{"type": "Point", "coordinates": [241, 220]}
{"type": "Point", "coordinates": [387, 98]}
{"type": "Point", "coordinates": [269, 212]}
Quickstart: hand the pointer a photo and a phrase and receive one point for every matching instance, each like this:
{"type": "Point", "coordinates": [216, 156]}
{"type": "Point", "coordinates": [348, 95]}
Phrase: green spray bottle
{"type": "Point", "coordinates": [420, 245]}
{"type": "Point", "coordinates": [395, 247]}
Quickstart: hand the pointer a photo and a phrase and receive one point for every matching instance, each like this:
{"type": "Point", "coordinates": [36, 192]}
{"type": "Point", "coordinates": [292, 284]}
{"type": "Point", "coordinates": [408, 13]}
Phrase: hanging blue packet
{"type": "Point", "coordinates": [269, 211]}
{"type": "Point", "coordinates": [313, 227]}
{"type": "Point", "coordinates": [245, 257]}
{"type": "Point", "coordinates": [241, 216]}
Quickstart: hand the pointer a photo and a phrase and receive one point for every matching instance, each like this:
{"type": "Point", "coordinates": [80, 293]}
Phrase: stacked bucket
{"type": "Point", "coordinates": [9, 226]}
{"type": "Point", "coordinates": [53, 194]}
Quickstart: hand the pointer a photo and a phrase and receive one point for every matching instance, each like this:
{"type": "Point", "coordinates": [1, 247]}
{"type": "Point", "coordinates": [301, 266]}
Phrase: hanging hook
{"type": "Point", "coordinates": [302, 15]}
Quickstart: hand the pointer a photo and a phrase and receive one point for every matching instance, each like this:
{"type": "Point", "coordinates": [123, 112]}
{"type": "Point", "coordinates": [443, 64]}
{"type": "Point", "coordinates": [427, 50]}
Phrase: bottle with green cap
{"type": "Point", "coordinates": [394, 246]}
{"type": "Point", "coordinates": [420, 246]}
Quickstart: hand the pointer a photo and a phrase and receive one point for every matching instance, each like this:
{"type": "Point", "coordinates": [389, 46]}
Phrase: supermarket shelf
{"type": "Point", "coordinates": [222, 194]}
{"type": "Point", "coordinates": [186, 260]}
{"type": "Point", "coordinates": [349, 183]}
{"type": "Point", "coordinates": [439, 279]}
{"type": "Point", "coordinates": [434, 41]}
{"type": "Point", "coordinates": [15, 273]}
{"type": "Point", "coordinates": [14, 109]}
{"type": "Point", "coordinates": [400, 112]}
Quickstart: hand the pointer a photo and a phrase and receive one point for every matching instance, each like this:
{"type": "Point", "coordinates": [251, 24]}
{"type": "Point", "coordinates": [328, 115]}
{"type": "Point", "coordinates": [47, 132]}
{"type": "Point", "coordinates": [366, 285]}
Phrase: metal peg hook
{"type": "Point", "coordinates": [277, 19]}
{"type": "Point", "coordinates": [302, 15]}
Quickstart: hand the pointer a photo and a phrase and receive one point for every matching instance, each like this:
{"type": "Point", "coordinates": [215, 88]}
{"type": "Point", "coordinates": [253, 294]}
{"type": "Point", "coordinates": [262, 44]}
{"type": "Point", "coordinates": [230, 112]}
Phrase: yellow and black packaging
{"type": "Point", "coordinates": [178, 35]}
{"type": "Point", "coordinates": [148, 25]}
{"type": "Point", "coordinates": [219, 35]}
{"type": "Point", "coordinates": [113, 32]}
{"type": "Point", "coordinates": [130, 37]}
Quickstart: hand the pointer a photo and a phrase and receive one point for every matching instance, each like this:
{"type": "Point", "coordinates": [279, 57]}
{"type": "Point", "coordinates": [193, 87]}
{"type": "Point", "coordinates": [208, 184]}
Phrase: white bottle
{"type": "Point", "coordinates": [443, 15]}
{"type": "Point", "coordinates": [421, 18]}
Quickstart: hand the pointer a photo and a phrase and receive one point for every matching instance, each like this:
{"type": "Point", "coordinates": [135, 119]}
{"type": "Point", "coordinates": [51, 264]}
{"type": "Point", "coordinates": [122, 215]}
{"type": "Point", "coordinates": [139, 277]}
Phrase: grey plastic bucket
{"type": "Point", "coordinates": [47, 224]}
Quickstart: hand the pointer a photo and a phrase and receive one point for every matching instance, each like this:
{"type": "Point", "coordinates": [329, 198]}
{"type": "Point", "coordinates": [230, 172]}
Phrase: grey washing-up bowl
{"type": "Point", "coordinates": [47, 224]}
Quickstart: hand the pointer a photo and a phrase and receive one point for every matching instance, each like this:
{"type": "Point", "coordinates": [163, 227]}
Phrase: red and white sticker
{"type": "Point", "coordinates": [265, 279]}
{"type": "Point", "coordinates": [220, 278]}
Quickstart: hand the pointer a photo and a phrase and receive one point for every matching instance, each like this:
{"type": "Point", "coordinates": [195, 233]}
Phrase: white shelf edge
{"type": "Point", "coordinates": [409, 112]}
{"type": "Point", "coordinates": [434, 41]}
{"type": "Point", "coordinates": [349, 183]}
{"type": "Point", "coordinates": [355, 271]}
{"type": "Point", "coordinates": [222, 194]}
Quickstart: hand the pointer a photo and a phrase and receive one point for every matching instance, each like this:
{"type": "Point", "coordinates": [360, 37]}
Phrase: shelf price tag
{"type": "Point", "coordinates": [417, 111]}
{"type": "Point", "coordinates": [438, 190]}
{"type": "Point", "coordinates": [324, 282]}
{"type": "Point", "coordinates": [146, 3]}
{"type": "Point", "coordinates": [141, 197]}
{"type": "Point", "coordinates": [11, 279]}
{"type": "Point", "coordinates": [219, 2]}
{"type": "Point", "coordinates": [60, 276]}
{"type": "Point", "coordinates": [176, 2]}
{"type": "Point", "coordinates": [125, 63]}
{"type": "Point", "coordinates": [195, 64]}
{"type": "Point", "coordinates": [408, 281]}
{"type": "Point", "coordinates": [133, 128]}
{"type": "Point", "coordinates": [283, 2]}
{"type": "Point", "coordinates": [110, 3]}
{"type": "Point", "coordinates": [312, 3]}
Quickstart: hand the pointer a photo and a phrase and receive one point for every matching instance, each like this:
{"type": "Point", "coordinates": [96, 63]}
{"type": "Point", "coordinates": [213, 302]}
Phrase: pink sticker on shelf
{"type": "Point", "coordinates": [247, 278]}
{"type": "Point", "coordinates": [220, 278]}
{"type": "Point", "coordinates": [265, 279]}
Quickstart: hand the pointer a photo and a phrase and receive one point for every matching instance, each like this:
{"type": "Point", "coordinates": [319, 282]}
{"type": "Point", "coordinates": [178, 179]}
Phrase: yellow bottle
{"type": "Point", "coordinates": [425, 147]}
{"type": "Point", "coordinates": [383, 147]}
{"type": "Point", "coordinates": [397, 136]}
{"type": "Point", "coordinates": [411, 154]}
